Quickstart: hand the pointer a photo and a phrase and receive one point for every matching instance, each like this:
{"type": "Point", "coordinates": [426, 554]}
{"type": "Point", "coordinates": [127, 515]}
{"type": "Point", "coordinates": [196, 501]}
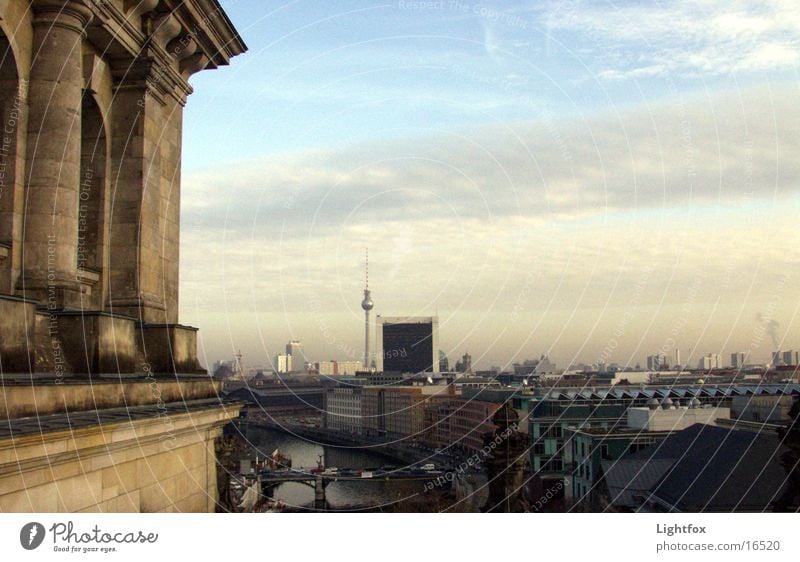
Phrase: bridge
{"type": "Point", "coordinates": [320, 479]}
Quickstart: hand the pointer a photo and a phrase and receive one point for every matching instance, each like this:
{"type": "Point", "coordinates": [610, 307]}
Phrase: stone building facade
{"type": "Point", "coordinates": [92, 107]}
{"type": "Point", "coordinates": [91, 111]}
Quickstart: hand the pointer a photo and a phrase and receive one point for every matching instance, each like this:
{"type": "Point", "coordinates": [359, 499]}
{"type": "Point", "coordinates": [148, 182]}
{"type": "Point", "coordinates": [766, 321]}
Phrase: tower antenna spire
{"type": "Point", "coordinates": [367, 306]}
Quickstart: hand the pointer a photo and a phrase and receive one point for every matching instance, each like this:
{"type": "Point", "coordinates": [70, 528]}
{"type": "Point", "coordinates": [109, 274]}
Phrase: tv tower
{"type": "Point", "coordinates": [367, 305]}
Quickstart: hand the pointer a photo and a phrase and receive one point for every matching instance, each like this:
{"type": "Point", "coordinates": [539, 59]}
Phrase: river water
{"type": "Point", "coordinates": [344, 494]}
{"type": "Point", "coordinates": [341, 495]}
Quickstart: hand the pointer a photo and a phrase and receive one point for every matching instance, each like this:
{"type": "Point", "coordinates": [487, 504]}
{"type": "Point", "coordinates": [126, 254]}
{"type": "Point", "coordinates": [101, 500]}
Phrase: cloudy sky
{"type": "Point", "coordinates": [588, 180]}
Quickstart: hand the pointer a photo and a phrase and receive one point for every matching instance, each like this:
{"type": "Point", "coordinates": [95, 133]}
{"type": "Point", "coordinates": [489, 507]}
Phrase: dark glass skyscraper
{"type": "Point", "coordinates": [408, 345]}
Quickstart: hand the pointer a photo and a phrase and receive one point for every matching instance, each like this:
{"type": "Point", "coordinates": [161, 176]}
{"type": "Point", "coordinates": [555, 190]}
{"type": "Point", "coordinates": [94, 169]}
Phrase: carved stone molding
{"type": "Point", "coordinates": [74, 15]}
{"type": "Point", "coordinates": [138, 8]}
{"type": "Point", "coordinates": [164, 27]}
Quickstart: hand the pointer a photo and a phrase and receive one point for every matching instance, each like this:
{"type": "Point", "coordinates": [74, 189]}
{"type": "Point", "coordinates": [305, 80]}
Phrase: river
{"type": "Point", "coordinates": [342, 495]}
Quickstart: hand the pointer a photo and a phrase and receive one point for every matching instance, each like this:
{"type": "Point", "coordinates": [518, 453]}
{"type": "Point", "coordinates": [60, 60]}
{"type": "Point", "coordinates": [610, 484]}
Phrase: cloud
{"type": "Point", "coordinates": [510, 289]}
{"type": "Point", "coordinates": [706, 37]}
{"type": "Point", "coordinates": [526, 230]}
{"type": "Point", "coordinates": [700, 151]}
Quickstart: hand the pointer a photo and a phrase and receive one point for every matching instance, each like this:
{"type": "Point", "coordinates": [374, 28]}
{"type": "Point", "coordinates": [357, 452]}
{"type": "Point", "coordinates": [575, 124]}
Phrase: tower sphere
{"type": "Point", "coordinates": [367, 303]}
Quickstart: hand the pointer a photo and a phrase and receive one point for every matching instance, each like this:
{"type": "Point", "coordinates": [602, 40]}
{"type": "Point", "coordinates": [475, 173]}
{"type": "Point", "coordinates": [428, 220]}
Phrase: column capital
{"type": "Point", "coordinates": [74, 15]}
{"type": "Point", "coordinates": [151, 71]}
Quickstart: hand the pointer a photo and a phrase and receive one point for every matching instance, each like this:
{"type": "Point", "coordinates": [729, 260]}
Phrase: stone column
{"type": "Point", "coordinates": [146, 148]}
{"type": "Point", "coordinates": [49, 254]}
{"type": "Point", "coordinates": [136, 279]}
{"type": "Point", "coordinates": [171, 174]}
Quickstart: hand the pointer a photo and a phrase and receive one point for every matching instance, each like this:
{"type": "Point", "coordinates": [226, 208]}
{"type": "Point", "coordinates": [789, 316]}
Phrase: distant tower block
{"type": "Point", "coordinates": [408, 344]}
{"type": "Point", "coordinates": [367, 305]}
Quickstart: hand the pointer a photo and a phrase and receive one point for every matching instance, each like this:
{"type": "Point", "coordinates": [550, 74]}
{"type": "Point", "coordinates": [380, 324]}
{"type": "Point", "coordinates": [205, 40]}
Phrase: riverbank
{"type": "Point", "coordinates": [308, 445]}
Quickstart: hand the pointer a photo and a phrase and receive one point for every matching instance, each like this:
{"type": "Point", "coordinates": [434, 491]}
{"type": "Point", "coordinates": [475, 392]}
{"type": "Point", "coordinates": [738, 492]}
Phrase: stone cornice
{"type": "Point", "coordinates": [207, 22]}
{"type": "Point", "coordinates": [174, 39]}
{"type": "Point", "coordinates": [150, 70]}
{"type": "Point", "coordinates": [118, 32]}
{"type": "Point", "coordinates": [135, 55]}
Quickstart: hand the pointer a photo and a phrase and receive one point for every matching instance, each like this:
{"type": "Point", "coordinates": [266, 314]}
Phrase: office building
{"type": "Point", "coordinates": [700, 469]}
{"type": "Point", "coordinates": [295, 349]}
{"type": "Point", "coordinates": [785, 358]}
{"type": "Point", "coordinates": [590, 447]}
{"type": "Point", "coordinates": [710, 361]}
{"type": "Point", "coordinates": [458, 423]}
{"type": "Point", "coordinates": [397, 412]}
{"type": "Point", "coordinates": [657, 362]}
{"type": "Point", "coordinates": [554, 411]}
{"type": "Point", "coordinates": [283, 363]}
{"type": "Point", "coordinates": [465, 364]}
{"type": "Point", "coordinates": [444, 362]}
{"type": "Point", "coordinates": [772, 409]}
{"type": "Point", "coordinates": [343, 409]}
{"type": "Point", "coordinates": [337, 368]}
{"type": "Point", "coordinates": [408, 345]}
{"type": "Point", "coordinates": [738, 359]}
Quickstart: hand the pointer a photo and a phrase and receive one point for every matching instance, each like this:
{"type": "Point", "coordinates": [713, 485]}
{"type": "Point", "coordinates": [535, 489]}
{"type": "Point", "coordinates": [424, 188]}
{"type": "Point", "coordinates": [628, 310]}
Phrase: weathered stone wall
{"type": "Point", "coordinates": [91, 101]}
{"type": "Point", "coordinates": [170, 348]}
{"type": "Point", "coordinates": [92, 115]}
{"type": "Point", "coordinates": [27, 399]}
{"type": "Point", "coordinates": [16, 36]}
{"type": "Point", "coordinates": [149, 465]}
{"type": "Point", "coordinates": [16, 333]}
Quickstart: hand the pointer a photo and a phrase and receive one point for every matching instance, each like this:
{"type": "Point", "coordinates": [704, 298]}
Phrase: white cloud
{"type": "Point", "coordinates": [516, 229]}
{"type": "Point", "coordinates": [698, 151]}
{"type": "Point", "coordinates": [696, 36]}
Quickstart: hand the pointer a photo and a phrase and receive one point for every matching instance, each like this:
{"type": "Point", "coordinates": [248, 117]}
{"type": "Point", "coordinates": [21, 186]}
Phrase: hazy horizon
{"type": "Point", "coordinates": [544, 177]}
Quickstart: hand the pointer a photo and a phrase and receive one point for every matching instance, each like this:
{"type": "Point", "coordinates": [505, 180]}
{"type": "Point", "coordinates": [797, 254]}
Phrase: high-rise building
{"type": "Point", "coordinates": [710, 361]}
{"type": "Point", "coordinates": [283, 363]}
{"type": "Point", "coordinates": [657, 362]}
{"type": "Point", "coordinates": [408, 345]}
{"type": "Point", "coordinates": [788, 358]}
{"type": "Point", "coordinates": [738, 359]}
{"type": "Point", "coordinates": [295, 349]}
{"type": "Point", "coordinates": [465, 365]}
{"type": "Point", "coordinates": [444, 363]}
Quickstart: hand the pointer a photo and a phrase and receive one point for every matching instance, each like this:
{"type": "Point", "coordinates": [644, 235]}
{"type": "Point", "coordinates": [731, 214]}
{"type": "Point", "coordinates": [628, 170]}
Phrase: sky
{"type": "Point", "coordinates": [593, 181]}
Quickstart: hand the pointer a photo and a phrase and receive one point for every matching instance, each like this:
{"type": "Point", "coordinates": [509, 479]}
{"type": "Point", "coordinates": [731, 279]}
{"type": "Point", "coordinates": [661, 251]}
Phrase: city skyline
{"type": "Point", "coordinates": [670, 360]}
{"type": "Point", "coordinates": [418, 257]}
{"type": "Point", "coordinates": [542, 178]}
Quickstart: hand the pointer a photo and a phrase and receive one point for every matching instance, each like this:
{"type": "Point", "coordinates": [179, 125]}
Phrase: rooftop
{"type": "Point", "coordinates": [671, 391]}
{"type": "Point", "coordinates": [702, 468]}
